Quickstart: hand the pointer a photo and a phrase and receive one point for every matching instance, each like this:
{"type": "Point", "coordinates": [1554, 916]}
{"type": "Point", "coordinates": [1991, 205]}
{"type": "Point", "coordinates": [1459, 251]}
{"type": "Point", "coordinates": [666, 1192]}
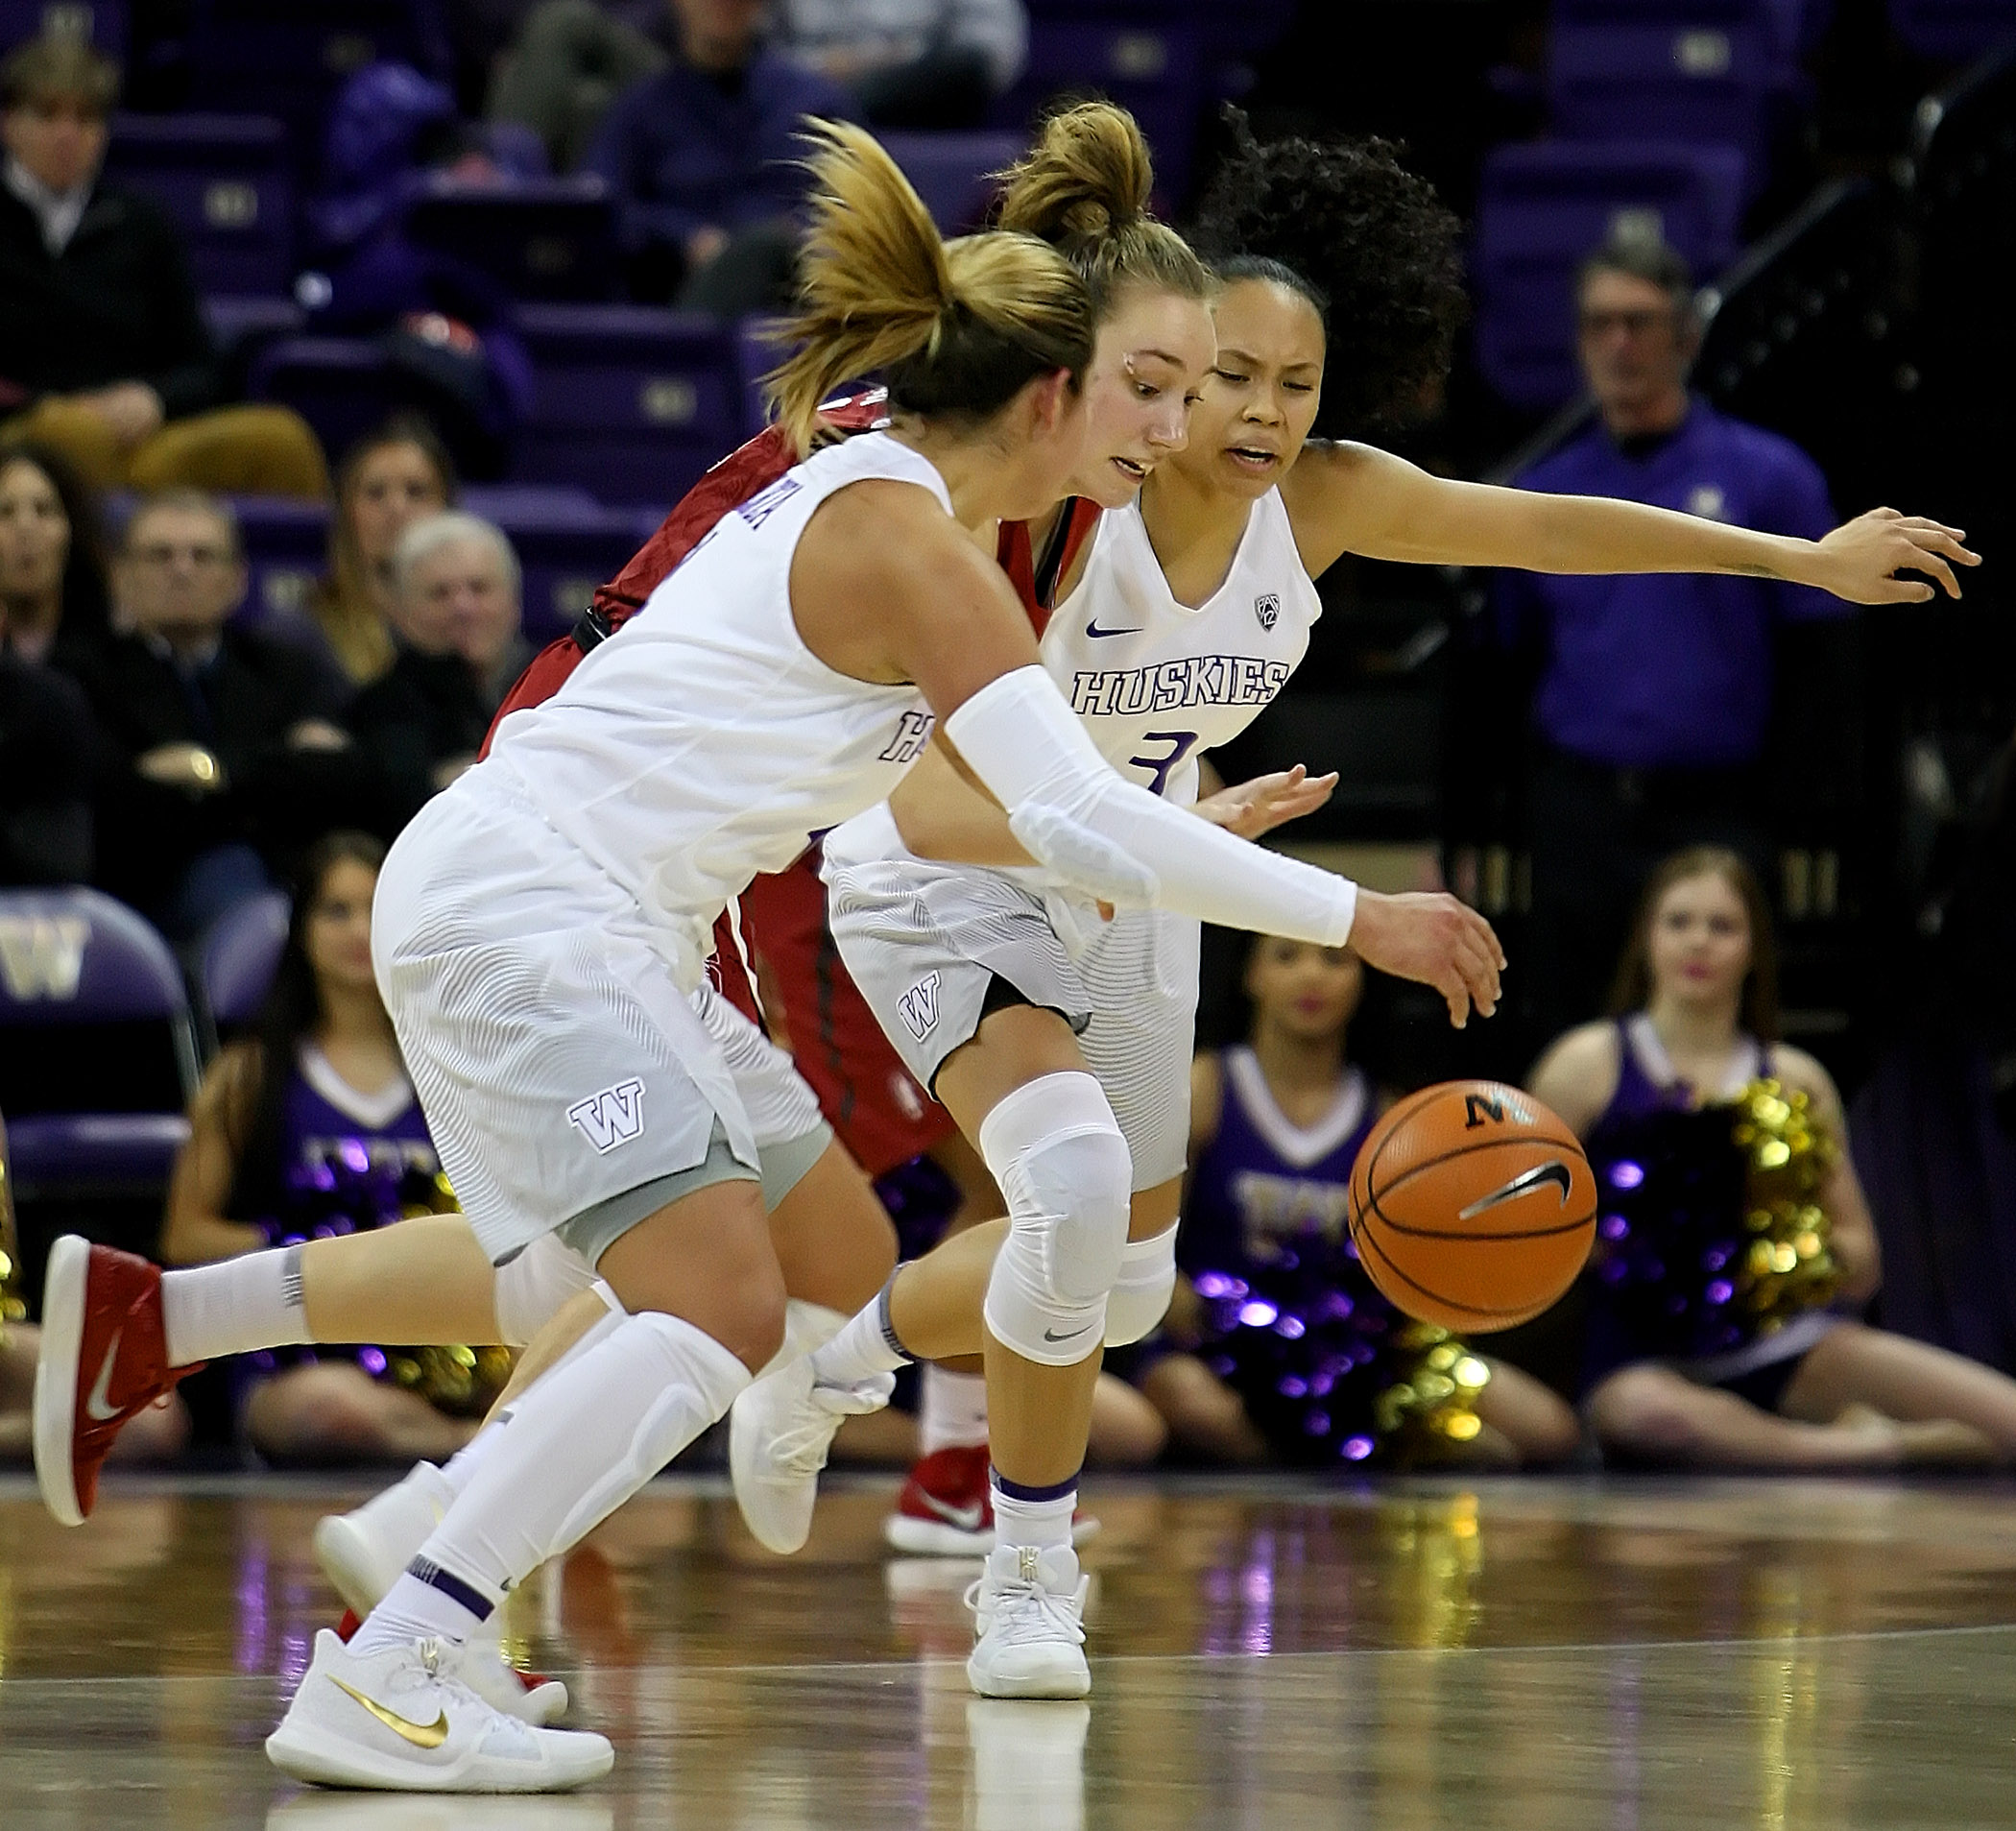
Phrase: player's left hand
{"type": "Point", "coordinates": [1250, 809]}
{"type": "Point", "coordinates": [1860, 560]}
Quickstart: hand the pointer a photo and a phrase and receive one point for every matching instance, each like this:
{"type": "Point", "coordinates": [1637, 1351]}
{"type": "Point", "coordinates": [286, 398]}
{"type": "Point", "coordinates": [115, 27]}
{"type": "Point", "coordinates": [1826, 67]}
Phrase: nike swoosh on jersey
{"type": "Point", "coordinates": [1093, 629]}
{"type": "Point", "coordinates": [421, 1735]}
{"type": "Point", "coordinates": [97, 1406]}
{"type": "Point", "coordinates": [1553, 1175]}
{"type": "Point", "coordinates": [966, 1518]}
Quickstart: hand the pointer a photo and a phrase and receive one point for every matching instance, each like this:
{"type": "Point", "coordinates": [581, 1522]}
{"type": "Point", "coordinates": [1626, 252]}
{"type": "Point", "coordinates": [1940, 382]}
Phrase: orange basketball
{"type": "Point", "coordinates": [1471, 1206]}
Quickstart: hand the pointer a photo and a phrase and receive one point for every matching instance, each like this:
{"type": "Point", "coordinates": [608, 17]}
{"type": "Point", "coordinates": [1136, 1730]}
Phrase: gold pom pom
{"type": "Point", "coordinates": [1786, 1152]}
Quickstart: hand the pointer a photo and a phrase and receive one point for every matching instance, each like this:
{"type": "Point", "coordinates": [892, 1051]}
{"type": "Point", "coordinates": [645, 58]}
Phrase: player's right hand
{"type": "Point", "coordinates": [1436, 939]}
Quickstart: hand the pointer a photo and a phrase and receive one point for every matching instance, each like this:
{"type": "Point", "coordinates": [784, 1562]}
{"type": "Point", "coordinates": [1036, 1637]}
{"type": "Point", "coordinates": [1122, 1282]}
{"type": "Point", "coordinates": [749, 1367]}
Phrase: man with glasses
{"type": "Point", "coordinates": [1655, 692]}
{"type": "Point", "coordinates": [225, 753]}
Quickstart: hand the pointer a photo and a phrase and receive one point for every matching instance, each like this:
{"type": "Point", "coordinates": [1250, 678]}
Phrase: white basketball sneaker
{"type": "Point", "coordinates": [401, 1721]}
{"type": "Point", "coordinates": [364, 1551]}
{"type": "Point", "coordinates": [1028, 1624]}
{"type": "Point", "coordinates": [779, 1433]}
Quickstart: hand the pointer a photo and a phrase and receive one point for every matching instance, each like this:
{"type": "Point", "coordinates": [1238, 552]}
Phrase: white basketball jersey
{"type": "Point", "coordinates": [1156, 682]}
{"type": "Point", "coordinates": [706, 743]}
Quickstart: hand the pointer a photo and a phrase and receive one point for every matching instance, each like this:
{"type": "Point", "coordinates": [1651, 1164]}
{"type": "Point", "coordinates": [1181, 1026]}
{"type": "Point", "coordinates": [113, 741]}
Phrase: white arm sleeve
{"type": "Point", "coordinates": [1023, 741]}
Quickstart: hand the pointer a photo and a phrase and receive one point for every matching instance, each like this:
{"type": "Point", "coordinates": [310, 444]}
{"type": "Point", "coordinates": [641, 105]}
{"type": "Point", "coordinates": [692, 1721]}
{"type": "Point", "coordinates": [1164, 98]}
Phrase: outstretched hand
{"type": "Point", "coordinates": [1250, 809]}
{"type": "Point", "coordinates": [1860, 560]}
{"type": "Point", "coordinates": [1436, 939]}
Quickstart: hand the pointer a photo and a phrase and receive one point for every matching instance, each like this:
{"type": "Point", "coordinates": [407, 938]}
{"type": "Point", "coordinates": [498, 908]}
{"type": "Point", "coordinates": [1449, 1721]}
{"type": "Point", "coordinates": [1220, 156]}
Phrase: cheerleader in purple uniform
{"type": "Point", "coordinates": [1277, 1348]}
{"type": "Point", "coordinates": [1734, 1248]}
{"type": "Point", "coordinates": [309, 1130]}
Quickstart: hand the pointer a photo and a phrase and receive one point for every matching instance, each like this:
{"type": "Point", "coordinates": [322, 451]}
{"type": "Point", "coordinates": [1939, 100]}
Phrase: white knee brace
{"type": "Point", "coordinates": [532, 1289]}
{"type": "Point", "coordinates": [1141, 1292]}
{"type": "Point", "coordinates": [1057, 1154]}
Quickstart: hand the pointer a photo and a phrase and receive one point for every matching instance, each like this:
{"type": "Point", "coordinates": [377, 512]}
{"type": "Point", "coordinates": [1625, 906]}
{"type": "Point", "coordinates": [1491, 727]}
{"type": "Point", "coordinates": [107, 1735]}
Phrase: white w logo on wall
{"type": "Point", "coordinates": [43, 957]}
{"type": "Point", "coordinates": [917, 1007]}
{"type": "Point", "coordinates": [611, 1117]}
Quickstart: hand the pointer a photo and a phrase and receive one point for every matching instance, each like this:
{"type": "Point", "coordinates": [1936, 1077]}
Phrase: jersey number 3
{"type": "Point", "coordinates": [1179, 742]}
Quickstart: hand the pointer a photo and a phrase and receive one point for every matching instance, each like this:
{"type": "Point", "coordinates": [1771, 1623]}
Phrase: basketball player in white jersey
{"type": "Point", "coordinates": [1007, 994]}
{"type": "Point", "coordinates": [541, 924]}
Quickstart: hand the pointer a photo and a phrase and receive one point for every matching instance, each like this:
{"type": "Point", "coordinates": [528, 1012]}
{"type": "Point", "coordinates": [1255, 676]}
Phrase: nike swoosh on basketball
{"type": "Point", "coordinates": [1093, 629]}
{"type": "Point", "coordinates": [966, 1518]}
{"type": "Point", "coordinates": [97, 1405]}
{"type": "Point", "coordinates": [1553, 1175]}
{"type": "Point", "coordinates": [421, 1735]}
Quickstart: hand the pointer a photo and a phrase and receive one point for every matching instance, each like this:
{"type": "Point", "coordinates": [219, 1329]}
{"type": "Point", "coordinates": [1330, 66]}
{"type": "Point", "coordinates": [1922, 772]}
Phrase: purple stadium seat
{"type": "Point", "coordinates": [343, 387]}
{"type": "Point", "coordinates": [949, 171]}
{"type": "Point", "coordinates": [547, 238]}
{"type": "Point", "coordinates": [1793, 25]}
{"type": "Point", "coordinates": [293, 54]}
{"type": "Point", "coordinates": [104, 22]}
{"type": "Point", "coordinates": [286, 548]}
{"type": "Point", "coordinates": [97, 1046]}
{"type": "Point", "coordinates": [1954, 30]}
{"type": "Point", "coordinates": [1682, 84]}
{"type": "Point", "coordinates": [237, 958]}
{"type": "Point", "coordinates": [1542, 207]}
{"type": "Point", "coordinates": [630, 403]}
{"type": "Point", "coordinates": [1150, 60]}
{"type": "Point", "coordinates": [224, 181]}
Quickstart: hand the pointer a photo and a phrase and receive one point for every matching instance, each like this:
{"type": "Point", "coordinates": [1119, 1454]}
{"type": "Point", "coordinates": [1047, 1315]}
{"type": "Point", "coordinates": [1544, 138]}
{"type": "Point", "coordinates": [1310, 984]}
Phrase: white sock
{"type": "Point", "coordinates": [953, 1413]}
{"type": "Point", "coordinates": [864, 1347]}
{"type": "Point", "coordinates": [234, 1306]}
{"type": "Point", "coordinates": [1041, 1517]}
{"type": "Point", "coordinates": [578, 1445]}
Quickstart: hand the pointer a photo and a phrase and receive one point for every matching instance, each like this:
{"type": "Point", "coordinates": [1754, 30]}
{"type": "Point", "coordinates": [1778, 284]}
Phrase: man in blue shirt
{"type": "Point", "coordinates": [1654, 695]}
{"type": "Point", "coordinates": [701, 162]}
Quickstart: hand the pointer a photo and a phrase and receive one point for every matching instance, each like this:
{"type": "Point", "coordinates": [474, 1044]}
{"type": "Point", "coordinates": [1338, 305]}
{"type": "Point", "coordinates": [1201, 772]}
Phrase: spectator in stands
{"type": "Point", "coordinates": [456, 599]}
{"type": "Point", "coordinates": [103, 346]}
{"type": "Point", "coordinates": [220, 739]}
{"type": "Point", "coordinates": [46, 759]}
{"type": "Point", "coordinates": [1655, 691]}
{"type": "Point", "coordinates": [911, 63]}
{"type": "Point", "coordinates": [570, 60]}
{"type": "Point", "coordinates": [702, 160]}
{"type": "Point", "coordinates": [311, 1127]}
{"type": "Point", "coordinates": [52, 558]}
{"type": "Point", "coordinates": [387, 480]}
{"type": "Point", "coordinates": [162, 1428]}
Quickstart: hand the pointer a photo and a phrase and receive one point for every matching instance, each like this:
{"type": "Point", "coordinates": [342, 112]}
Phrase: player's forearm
{"type": "Point", "coordinates": [1600, 533]}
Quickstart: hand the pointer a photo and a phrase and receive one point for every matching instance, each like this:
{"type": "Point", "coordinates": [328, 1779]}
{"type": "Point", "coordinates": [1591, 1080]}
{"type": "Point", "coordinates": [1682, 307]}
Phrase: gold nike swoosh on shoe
{"type": "Point", "coordinates": [421, 1735]}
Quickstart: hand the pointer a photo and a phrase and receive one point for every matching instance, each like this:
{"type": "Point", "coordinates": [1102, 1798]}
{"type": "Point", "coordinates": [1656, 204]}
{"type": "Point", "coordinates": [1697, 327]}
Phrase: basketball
{"type": "Point", "coordinates": [1471, 1206]}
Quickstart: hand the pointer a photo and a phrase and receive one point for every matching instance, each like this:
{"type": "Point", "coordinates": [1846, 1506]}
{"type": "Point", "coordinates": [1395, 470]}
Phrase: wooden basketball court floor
{"type": "Point", "coordinates": [1625, 1654]}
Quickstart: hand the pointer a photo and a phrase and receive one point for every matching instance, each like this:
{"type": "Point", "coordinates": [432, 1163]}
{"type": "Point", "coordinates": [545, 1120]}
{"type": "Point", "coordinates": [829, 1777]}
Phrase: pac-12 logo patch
{"type": "Point", "coordinates": [1268, 607]}
{"type": "Point", "coordinates": [917, 1007]}
{"type": "Point", "coordinates": [611, 1117]}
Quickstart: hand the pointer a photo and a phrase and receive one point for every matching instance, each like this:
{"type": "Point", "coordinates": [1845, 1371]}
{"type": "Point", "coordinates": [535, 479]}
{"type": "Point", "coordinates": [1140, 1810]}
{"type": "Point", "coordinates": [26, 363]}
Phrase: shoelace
{"type": "Point", "coordinates": [438, 1659]}
{"type": "Point", "coordinates": [1028, 1611]}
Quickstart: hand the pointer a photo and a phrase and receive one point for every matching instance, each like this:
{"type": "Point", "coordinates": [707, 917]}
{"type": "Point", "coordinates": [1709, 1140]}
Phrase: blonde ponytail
{"type": "Point", "coordinates": [954, 329]}
{"type": "Point", "coordinates": [1084, 187]}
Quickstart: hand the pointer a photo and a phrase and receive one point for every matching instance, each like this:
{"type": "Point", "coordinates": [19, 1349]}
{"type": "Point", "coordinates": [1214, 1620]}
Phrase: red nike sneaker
{"type": "Point", "coordinates": [104, 1361]}
{"type": "Point", "coordinates": [946, 1510]}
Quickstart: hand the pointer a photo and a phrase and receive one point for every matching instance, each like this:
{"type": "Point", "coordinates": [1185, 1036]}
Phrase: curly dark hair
{"type": "Point", "coordinates": [1379, 253]}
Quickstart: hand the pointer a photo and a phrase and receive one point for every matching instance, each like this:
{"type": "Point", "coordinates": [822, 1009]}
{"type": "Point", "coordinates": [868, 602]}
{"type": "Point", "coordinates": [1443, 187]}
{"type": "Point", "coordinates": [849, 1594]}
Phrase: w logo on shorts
{"type": "Point", "coordinates": [917, 1007]}
{"type": "Point", "coordinates": [611, 1117]}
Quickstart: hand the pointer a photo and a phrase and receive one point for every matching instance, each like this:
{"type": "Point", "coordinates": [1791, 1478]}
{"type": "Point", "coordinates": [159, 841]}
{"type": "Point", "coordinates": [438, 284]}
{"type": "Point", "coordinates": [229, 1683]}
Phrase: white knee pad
{"type": "Point", "coordinates": [1057, 1154]}
{"type": "Point", "coordinates": [1141, 1292]}
{"type": "Point", "coordinates": [532, 1288]}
